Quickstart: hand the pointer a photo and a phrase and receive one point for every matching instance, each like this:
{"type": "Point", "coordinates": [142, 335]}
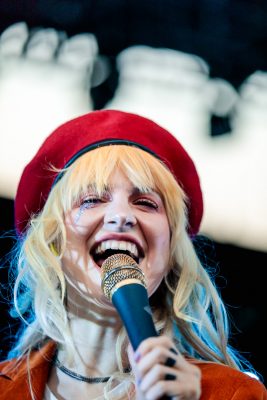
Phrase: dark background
{"type": "Point", "coordinates": [231, 36]}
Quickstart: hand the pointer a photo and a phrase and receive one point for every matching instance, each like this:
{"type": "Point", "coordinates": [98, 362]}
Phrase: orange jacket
{"type": "Point", "coordinates": [219, 382]}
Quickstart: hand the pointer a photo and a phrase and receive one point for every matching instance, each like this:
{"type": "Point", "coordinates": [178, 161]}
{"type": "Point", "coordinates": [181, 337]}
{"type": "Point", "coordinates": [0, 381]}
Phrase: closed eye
{"type": "Point", "coordinates": [90, 202]}
{"type": "Point", "coordinates": [146, 203]}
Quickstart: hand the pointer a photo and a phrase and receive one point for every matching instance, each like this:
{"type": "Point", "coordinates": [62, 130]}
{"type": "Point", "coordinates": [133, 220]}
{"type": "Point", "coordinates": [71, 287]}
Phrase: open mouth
{"type": "Point", "coordinates": [109, 247]}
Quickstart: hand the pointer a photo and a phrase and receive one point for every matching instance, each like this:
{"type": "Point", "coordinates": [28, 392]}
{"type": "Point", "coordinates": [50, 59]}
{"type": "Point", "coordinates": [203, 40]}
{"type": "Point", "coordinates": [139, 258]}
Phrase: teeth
{"type": "Point", "coordinates": [122, 245]}
{"type": "Point", "coordinates": [117, 245]}
{"type": "Point", "coordinates": [114, 244]}
{"type": "Point", "coordinates": [133, 250]}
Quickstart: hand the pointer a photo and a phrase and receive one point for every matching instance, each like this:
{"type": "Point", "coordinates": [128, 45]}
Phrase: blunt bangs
{"type": "Point", "coordinates": [95, 168]}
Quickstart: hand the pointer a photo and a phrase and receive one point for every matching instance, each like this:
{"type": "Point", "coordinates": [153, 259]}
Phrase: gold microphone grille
{"type": "Point", "coordinates": [118, 268]}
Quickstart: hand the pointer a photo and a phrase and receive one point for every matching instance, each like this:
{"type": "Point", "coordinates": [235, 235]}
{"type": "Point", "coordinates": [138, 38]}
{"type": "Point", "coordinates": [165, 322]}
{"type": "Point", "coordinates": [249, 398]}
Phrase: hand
{"type": "Point", "coordinates": [45, 78]}
{"type": "Point", "coordinates": [161, 371]}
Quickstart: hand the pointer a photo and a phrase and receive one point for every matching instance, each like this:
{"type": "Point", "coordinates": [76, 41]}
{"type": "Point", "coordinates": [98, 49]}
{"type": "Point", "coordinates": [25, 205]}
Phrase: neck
{"type": "Point", "coordinates": [94, 328]}
{"type": "Point", "coordinates": [95, 346]}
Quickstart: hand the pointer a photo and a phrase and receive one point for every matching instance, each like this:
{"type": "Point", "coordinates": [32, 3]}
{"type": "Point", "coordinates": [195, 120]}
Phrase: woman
{"type": "Point", "coordinates": [113, 182]}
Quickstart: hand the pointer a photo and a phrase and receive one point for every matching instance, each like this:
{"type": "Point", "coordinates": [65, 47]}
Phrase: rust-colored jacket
{"type": "Point", "coordinates": [219, 382]}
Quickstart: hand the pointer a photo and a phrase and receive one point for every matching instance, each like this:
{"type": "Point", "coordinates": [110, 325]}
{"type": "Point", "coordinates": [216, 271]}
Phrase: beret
{"type": "Point", "coordinates": [100, 128]}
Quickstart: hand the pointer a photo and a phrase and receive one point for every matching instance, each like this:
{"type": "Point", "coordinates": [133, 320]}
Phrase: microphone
{"type": "Point", "coordinates": [123, 283]}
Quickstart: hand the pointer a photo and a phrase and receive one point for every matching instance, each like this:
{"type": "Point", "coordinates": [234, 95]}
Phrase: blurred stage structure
{"type": "Point", "coordinates": [47, 77]}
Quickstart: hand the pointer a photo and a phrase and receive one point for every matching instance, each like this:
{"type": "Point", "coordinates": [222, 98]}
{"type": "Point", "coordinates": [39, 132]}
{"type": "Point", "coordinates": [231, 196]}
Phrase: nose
{"type": "Point", "coordinates": [119, 220]}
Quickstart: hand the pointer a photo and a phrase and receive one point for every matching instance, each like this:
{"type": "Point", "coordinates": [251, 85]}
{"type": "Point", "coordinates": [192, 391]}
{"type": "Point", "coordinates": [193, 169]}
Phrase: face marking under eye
{"type": "Point", "coordinates": [85, 204]}
{"type": "Point", "coordinates": [78, 215]}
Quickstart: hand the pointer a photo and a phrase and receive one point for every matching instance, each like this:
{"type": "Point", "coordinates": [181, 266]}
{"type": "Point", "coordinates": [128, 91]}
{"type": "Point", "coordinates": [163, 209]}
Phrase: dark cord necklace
{"type": "Point", "coordinates": [78, 377]}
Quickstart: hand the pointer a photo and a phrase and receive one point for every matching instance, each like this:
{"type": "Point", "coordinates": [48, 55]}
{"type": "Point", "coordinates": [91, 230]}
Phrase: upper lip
{"type": "Point", "coordinates": [125, 238]}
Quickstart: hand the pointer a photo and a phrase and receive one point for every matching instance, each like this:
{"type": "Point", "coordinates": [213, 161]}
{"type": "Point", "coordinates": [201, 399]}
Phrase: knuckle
{"type": "Point", "coordinates": [162, 386]}
{"type": "Point", "coordinates": [144, 347]}
{"type": "Point", "coordinates": [194, 392]}
{"type": "Point", "coordinates": [157, 369]}
{"type": "Point", "coordinates": [158, 351]}
{"type": "Point", "coordinates": [160, 354]}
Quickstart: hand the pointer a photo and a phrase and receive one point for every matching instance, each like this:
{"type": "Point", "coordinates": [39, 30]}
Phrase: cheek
{"type": "Point", "coordinates": [160, 242]}
{"type": "Point", "coordinates": [76, 260]}
{"type": "Point", "coordinates": [158, 258]}
{"type": "Point", "coordinates": [79, 232]}
{"type": "Point", "coordinates": [76, 230]}
{"type": "Point", "coordinates": [81, 275]}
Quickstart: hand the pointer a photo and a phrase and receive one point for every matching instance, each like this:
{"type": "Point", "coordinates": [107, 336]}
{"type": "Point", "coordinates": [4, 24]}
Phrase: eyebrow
{"type": "Point", "coordinates": [93, 187]}
{"type": "Point", "coordinates": [134, 192]}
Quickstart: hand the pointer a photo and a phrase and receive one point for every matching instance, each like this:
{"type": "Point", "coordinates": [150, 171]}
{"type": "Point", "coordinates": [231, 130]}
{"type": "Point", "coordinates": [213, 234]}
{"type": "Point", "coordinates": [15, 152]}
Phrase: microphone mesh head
{"type": "Point", "coordinates": [117, 268]}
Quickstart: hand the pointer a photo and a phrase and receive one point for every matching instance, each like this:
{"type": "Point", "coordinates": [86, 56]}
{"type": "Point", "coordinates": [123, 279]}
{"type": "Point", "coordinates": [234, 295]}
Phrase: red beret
{"type": "Point", "coordinates": [100, 128]}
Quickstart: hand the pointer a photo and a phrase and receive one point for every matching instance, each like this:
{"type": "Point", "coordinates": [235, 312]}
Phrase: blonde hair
{"type": "Point", "coordinates": [190, 309]}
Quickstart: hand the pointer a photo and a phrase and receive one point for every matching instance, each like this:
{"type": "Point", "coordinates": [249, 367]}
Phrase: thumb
{"type": "Point", "coordinates": [130, 352]}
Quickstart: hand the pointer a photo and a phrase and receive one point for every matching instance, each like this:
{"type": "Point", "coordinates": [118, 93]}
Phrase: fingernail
{"type": "Point", "coordinates": [170, 377]}
{"type": "Point", "coordinates": [137, 356]}
{"type": "Point", "coordinates": [170, 362]}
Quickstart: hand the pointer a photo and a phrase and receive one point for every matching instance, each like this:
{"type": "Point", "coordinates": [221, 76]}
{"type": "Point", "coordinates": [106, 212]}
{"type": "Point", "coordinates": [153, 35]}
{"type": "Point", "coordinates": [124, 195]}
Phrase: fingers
{"type": "Point", "coordinates": [156, 374]}
{"type": "Point", "coordinates": [161, 371]}
{"type": "Point", "coordinates": [13, 39]}
{"type": "Point", "coordinates": [40, 70]}
{"type": "Point", "coordinates": [150, 343]}
{"type": "Point", "coordinates": [43, 44]}
{"type": "Point", "coordinates": [157, 350]}
{"type": "Point", "coordinates": [79, 51]}
{"type": "Point", "coordinates": [158, 355]}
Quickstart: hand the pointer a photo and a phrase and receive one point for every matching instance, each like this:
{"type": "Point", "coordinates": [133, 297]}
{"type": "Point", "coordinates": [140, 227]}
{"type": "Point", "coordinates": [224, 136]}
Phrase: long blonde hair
{"type": "Point", "coordinates": [188, 308]}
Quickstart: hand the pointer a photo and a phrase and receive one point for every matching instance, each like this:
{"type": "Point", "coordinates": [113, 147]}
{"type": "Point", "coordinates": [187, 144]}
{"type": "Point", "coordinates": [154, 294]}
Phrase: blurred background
{"type": "Point", "coordinates": [198, 68]}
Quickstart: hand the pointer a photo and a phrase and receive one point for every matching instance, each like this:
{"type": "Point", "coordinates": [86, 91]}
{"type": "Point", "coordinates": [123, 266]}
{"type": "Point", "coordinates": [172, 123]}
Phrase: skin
{"type": "Point", "coordinates": [122, 213]}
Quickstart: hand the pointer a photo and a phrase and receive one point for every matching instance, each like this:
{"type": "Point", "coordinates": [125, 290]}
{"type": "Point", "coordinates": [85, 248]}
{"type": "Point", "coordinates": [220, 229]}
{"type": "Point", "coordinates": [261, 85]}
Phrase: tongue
{"type": "Point", "coordinates": [100, 261]}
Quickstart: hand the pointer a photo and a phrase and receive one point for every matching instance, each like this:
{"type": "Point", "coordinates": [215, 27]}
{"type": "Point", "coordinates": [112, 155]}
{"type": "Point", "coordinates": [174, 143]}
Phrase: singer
{"type": "Point", "coordinates": [113, 191]}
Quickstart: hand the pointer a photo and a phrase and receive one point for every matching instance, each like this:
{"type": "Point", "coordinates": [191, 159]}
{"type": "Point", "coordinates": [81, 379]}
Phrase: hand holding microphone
{"type": "Point", "coordinates": [123, 283]}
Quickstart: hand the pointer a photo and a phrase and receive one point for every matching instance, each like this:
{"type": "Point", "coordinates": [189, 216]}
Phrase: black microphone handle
{"type": "Point", "coordinates": [131, 302]}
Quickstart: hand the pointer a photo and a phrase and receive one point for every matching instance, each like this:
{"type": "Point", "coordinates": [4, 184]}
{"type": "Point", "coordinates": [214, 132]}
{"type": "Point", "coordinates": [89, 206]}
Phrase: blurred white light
{"type": "Point", "coordinates": [252, 375]}
{"type": "Point", "coordinates": [45, 79]}
{"type": "Point", "coordinates": [43, 45]}
{"type": "Point", "coordinates": [38, 91]}
{"type": "Point", "coordinates": [13, 39]}
{"type": "Point", "coordinates": [175, 90]}
{"type": "Point", "coordinates": [165, 85]}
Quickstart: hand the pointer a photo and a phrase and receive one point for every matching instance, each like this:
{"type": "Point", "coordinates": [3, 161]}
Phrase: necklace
{"type": "Point", "coordinates": [78, 377]}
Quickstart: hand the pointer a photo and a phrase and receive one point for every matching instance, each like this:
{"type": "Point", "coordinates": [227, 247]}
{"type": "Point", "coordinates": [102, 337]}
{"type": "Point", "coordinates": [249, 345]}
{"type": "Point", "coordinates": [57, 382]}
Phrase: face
{"type": "Point", "coordinates": [122, 219]}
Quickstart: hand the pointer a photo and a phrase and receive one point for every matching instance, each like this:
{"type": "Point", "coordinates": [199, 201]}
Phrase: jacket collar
{"type": "Point", "coordinates": [15, 369]}
{"type": "Point", "coordinates": [14, 377]}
